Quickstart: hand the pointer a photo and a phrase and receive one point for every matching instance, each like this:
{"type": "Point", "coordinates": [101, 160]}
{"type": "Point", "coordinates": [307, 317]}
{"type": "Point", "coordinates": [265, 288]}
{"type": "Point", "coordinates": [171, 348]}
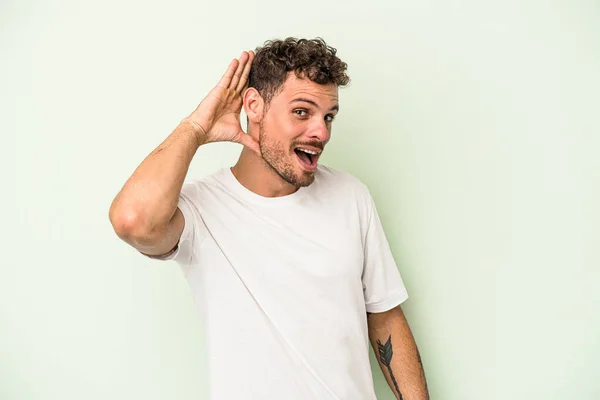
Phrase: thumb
{"type": "Point", "coordinates": [250, 142]}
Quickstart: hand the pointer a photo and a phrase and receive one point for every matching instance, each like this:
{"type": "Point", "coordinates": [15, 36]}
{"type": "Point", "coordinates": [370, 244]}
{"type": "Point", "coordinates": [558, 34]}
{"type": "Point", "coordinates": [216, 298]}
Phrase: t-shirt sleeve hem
{"type": "Point", "coordinates": [385, 305]}
{"type": "Point", "coordinates": [173, 254]}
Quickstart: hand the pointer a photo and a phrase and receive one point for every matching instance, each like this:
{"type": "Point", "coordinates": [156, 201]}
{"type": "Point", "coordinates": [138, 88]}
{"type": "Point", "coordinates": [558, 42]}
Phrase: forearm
{"type": "Point", "coordinates": [398, 355]}
{"type": "Point", "coordinates": [150, 196]}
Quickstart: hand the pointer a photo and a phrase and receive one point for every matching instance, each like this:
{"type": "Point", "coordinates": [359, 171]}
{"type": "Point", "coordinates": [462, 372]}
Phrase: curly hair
{"type": "Point", "coordinates": [312, 59]}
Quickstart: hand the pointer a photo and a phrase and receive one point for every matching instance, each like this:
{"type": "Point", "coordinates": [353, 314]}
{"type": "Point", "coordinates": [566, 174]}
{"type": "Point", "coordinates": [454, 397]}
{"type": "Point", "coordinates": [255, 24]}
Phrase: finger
{"type": "Point", "coordinates": [226, 78]}
{"type": "Point", "coordinates": [250, 142]}
{"type": "Point", "coordinates": [244, 78]}
{"type": "Point", "coordinates": [238, 71]}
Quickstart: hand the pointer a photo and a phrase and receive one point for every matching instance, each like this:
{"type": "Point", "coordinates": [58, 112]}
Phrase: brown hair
{"type": "Point", "coordinates": [312, 59]}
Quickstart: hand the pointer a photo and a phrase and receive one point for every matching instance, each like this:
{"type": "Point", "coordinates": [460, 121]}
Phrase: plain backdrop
{"type": "Point", "coordinates": [474, 123]}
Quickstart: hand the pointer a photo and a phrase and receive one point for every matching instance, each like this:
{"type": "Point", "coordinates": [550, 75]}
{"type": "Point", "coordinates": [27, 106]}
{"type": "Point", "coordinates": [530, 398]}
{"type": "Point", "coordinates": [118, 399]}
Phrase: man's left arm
{"type": "Point", "coordinates": [397, 353]}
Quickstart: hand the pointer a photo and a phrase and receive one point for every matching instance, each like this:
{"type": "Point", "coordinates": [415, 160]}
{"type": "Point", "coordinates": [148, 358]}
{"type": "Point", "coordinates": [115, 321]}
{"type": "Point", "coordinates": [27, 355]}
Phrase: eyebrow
{"type": "Point", "coordinates": [303, 100]}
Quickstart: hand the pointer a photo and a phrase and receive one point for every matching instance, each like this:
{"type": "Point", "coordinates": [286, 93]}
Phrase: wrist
{"type": "Point", "coordinates": [197, 130]}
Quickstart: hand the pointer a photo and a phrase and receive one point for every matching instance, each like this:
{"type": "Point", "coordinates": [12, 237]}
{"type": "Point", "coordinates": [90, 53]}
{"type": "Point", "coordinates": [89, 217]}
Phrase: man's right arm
{"type": "Point", "coordinates": [144, 213]}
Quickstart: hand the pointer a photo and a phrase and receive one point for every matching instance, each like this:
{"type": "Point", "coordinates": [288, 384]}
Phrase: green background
{"type": "Point", "coordinates": [474, 123]}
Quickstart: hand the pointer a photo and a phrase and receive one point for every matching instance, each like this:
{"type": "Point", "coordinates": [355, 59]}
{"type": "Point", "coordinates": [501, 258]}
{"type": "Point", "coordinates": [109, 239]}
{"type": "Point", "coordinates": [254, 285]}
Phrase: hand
{"type": "Point", "coordinates": [218, 115]}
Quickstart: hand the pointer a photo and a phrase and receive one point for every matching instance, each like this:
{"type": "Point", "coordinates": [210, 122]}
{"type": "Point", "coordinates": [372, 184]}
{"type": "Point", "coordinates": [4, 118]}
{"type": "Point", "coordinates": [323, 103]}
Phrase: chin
{"type": "Point", "coordinates": [304, 175]}
{"type": "Point", "coordinates": [298, 178]}
{"type": "Point", "coordinates": [305, 180]}
{"type": "Point", "coordinates": [293, 173]}
{"type": "Point", "coordinates": [296, 169]}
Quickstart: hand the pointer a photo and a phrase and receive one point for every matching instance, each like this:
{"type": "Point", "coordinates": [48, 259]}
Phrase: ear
{"type": "Point", "coordinates": [253, 105]}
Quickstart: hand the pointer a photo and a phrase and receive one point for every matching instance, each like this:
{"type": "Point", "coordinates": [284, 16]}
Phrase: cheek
{"type": "Point", "coordinates": [284, 128]}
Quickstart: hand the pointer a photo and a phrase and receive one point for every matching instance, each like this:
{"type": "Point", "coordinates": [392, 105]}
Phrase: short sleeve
{"type": "Point", "coordinates": [382, 284]}
{"type": "Point", "coordinates": [193, 230]}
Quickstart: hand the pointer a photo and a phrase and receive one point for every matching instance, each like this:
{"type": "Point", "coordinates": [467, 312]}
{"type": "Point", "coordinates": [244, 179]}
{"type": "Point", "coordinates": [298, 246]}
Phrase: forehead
{"type": "Point", "coordinates": [325, 95]}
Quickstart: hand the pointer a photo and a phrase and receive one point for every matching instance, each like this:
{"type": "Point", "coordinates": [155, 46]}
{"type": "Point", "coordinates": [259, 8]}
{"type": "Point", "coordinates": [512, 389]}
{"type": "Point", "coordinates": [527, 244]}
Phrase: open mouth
{"type": "Point", "coordinates": [307, 157]}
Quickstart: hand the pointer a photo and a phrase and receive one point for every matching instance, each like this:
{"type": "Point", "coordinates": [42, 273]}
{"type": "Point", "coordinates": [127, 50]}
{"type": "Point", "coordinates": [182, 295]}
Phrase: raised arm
{"type": "Point", "coordinates": [144, 213]}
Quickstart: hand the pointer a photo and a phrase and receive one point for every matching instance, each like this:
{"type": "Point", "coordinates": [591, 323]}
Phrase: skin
{"type": "Point", "coordinates": [402, 366]}
{"type": "Point", "coordinates": [300, 114]}
{"type": "Point", "coordinates": [144, 212]}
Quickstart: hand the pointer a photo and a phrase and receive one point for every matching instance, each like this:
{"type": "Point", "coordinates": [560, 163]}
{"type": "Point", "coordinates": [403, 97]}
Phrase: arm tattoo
{"type": "Point", "coordinates": [385, 356]}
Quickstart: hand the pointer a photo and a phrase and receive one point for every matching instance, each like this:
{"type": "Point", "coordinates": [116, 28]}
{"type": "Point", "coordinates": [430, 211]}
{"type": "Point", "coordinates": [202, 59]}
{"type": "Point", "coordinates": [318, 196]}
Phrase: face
{"type": "Point", "coordinates": [296, 128]}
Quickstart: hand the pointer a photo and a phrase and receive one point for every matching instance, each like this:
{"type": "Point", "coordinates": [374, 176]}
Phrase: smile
{"type": "Point", "coordinates": [307, 157]}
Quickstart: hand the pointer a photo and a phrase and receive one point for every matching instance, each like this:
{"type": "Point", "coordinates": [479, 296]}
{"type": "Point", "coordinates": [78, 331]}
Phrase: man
{"type": "Point", "coordinates": [286, 259]}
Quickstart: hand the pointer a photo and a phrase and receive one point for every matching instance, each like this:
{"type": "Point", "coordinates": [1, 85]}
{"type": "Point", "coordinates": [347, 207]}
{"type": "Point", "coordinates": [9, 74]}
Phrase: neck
{"type": "Point", "coordinates": [256, 175]}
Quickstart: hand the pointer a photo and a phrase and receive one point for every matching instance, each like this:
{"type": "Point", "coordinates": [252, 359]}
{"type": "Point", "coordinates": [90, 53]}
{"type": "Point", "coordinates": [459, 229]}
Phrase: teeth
{"type": "Point", "coordinates": [308, 151]}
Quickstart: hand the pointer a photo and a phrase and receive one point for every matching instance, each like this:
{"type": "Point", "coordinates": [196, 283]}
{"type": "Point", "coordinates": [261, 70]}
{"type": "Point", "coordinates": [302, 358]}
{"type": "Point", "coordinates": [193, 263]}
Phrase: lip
{"type": "Point", "coordinates": [315, 149]}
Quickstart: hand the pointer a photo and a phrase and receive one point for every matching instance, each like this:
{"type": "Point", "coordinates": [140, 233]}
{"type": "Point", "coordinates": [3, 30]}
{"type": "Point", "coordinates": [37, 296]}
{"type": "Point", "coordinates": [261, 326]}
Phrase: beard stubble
{"type": "Point", "coordinates": [279, 159]}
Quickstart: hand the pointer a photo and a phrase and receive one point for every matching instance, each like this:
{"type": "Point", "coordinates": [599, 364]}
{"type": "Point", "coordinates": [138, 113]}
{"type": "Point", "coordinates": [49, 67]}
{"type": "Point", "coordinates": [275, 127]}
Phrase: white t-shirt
{"type": "Point", "coordinates": [283, 285]}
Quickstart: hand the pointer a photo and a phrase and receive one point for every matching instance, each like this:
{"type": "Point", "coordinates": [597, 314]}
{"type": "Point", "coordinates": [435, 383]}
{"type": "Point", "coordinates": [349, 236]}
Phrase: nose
{"type": "Point", "coordinates": [320, 132]}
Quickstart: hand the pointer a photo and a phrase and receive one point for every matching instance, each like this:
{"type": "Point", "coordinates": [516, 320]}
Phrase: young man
{"type": "Point", "coordinates": [286, 259]}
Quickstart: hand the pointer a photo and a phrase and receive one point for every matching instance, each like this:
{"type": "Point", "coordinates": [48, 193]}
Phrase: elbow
{"type": "Point", "coordinates": [131, 226]}
{"type": "Point", "coordinates": [125, 224]}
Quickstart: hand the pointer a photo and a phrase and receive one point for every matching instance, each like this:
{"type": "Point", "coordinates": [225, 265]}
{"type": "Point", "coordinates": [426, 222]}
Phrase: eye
{"type": "Point", "coordinates": [329, 117]}
{"type": "Point", "coordinates": [301, 112]}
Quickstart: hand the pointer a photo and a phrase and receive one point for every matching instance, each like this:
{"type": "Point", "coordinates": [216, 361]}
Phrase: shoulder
{"type": "Point", "coordinates": [329, 178]}
{"type": "Point", "coordinates": [347, 192]}
{"type": "Point", "coordinates": [195, 187]}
